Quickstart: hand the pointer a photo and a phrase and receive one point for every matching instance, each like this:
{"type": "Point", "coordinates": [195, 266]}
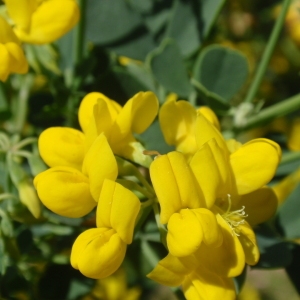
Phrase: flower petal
{"type": "Point", "coordinates": [248, 242]}
{"type": "Point", "coordinates": [177, 121]}
{"type": "Point", "coordinates": [212, 234]}
{"type": "Point", "coordinates": [118, 208]}
{"type": "Point", "coordinates": [254, 164]}
{"type": "Point", "coordinates": [260, 205]}
{"type": "Point", "coordinates": [169, 271]}
{"type": "Point", "coordinates": [209, 114]}
{"type": "Point", "coordinates": [136, 116]}
{"type": "Point", "coordinates": [205, 285]}
{"type": "Point", "coordinates": [205, 131]}
{"type": "Point", "coordinates": [184, 233]}
{"type": "Point", "coordinates": [98, 252]}
{"type": "Point", "coordinates": [207, 174]}
{"type": "Point", "coordinates": [174, 185]}
{"type": "Point", "coordinates": [50, 21]}
{"type": "Point", "coordinates": [86, 109]}
{"type": "Point", "coordinates": [228, 260]}
{"type": "Point", "coordinates": [61, 146]}
{"type": "Point", "coordinates": [65, 191]}
{"type": "Point", "coordinates": [99, 164]}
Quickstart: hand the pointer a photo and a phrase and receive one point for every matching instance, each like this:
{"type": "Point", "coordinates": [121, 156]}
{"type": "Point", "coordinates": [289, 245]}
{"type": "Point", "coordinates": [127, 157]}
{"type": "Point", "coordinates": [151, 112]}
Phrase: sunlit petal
{"type": "Point", "coordinates": [209, 114]}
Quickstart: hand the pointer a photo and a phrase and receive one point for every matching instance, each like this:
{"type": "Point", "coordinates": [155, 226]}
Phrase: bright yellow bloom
{"type": "Point", "coordinates": [198, 282]}
{"type": "Point", "coordinates": [205, 201]}
{"type": "Point", "coordinates": [12, 59]}
{"type": "Point", "coordinates": [72, 193]}
{"type": "Point", "coordinates": [99, 252]}
{"type": "Point", "coordinates": [98, 114]}
{"type": "Point", "coordinates": [42, 21]}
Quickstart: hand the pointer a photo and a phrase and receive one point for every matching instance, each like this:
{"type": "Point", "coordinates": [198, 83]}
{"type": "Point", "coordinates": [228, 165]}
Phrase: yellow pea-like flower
{"type": "Point", "coordinates": [72, 193]}
{"type": "Point", "coordinates": [42, 21]}
{"type": "Point", "coordinates": [12, 59]}
{"type": "Point", "coordinates": [99, 252]}
{"type": "Point", "coordinates": [99, 114]}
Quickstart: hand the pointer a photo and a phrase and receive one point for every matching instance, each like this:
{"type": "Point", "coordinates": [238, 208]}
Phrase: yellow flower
{"type": "Point", "coordinates": [99, 252]}
{"type": "Point", "coordinates": [42, 21]}
{"type": "Point", "coordinates": [114, 287]}
{"type": "Point", "coordinates": [198, 283]}
{"type": "Point", "coordinates": [98, 114]}
{"type": "Point", "coordinates": [206, 200]}
{"type": "Point", "coordinates": [72, 193]}
{"type": "Point", "coordinates": [12, 59]}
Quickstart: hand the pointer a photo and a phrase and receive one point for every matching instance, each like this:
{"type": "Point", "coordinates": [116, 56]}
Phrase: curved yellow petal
{"type": "Point", "coordinates": [207, 174]}
{"type": "Point", "coordinates": [254, 164]}
{"type": "Point", "coordinates": [169, 271]}
{"type": "Point", "coordinates": [4, 63]}
{"type": "Point", "coordinates": [62, 146]}
{"type": "Point", "coordinates": [118, 208]}
{"type": "Point", "coordinates": [228, 260]}
{"type": "Point", "coordinates": [98, 252]}
{"type": "Point", "coordinates": [86, 108]}
{"type": "Point", "coordinates": [209, 114]}
{"type": "Point", "coordinates": [99, 164]}
{"type": "Point", "coordinates": [65, 191]}
{"type": "Point", "coordinates": [184, 233]}
{"type": "Point", "coordinates": [50, 21]}
{"type": "Point", "coordinates": [17, 60]}
{"type": "Point", "coordinates": [174, 184]}
{"type": "Point", "coordinates": [136, 116]}
{"type": "Point", "coordinates": [212, 234]}
{"type": "Point", "coordinates": [248, 242]}
{"type": "Point", "coordinates": [260, 205]}
{"type": "Point", "coordinates": [177, 121]}
{"type": "Point", "coordinates": [20, 11]}
{"type": "Point", "coordinates": [6, 33]}
{"type": "Point", "coordinates": [205, 285]}
{"type": "Point", "coordinates": [205, 131]}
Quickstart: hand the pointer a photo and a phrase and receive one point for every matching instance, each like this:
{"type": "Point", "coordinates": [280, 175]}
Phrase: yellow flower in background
{"type": "Point", "coordinates": [97, 114]}
{"type": "Point", "coordinates": [114, 287]}
{"type": "Point", "coordinates": [42, 21]}
{"type": "Point", "coordinates": [99, 252]}
{"type": "Point", "coordinates": [72, 193]}
{"type": "Point", "coordinates": [12, 59]}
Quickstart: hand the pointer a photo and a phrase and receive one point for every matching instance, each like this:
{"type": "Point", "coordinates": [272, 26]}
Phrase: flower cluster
{"type": "Point", "coordinates": [34, 22]}
{"type": "Point", "coordinates": [211, 192]}
{"type": "Point", "coordinates": [82, 175]}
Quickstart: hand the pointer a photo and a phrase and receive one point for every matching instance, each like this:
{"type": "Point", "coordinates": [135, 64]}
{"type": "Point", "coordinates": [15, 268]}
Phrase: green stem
{"type": "Point", "coordinates": [20, 113]}
{"type": "Point", "coordinates": [267, 53]}
{"type": "Point", "coordinates": [79, 35]}
{"type": "Point", "coordinates": [7, 196]}
{"type": "Point", "coordinates": [277, 110]}
{"type": "Point", "coordinates": [25, 142]}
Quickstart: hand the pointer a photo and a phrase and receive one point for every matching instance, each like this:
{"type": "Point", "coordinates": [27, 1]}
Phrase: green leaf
{"type": "Point", "coordinates": [6, 224]}
{"type": "Point", "coordinates": [288, 215]}
{"type": "Point", "coordinates": [109, 21]}
{"type": "Point", "coordinates": [5, 113]}
{"type": "Point", "coordinates": [168, 68]}
{"type": "Point", "coordinates": [274, 251]}
{"type": "Point", "coordinates": [184, 27]}
{"type": "Point", "coordinates": [221, 70]}
{"type": "Point", "coordinates": [191, 21]}
{"type": "Point", "coordinates": [153, 139]}
{"type": "Point", "coordinates": [217, 103]}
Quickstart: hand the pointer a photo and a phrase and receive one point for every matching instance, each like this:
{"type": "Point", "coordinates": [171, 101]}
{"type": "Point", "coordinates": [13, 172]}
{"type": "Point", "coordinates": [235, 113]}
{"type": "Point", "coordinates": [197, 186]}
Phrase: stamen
{"type": "Point", "coordinates": [234, 218]}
